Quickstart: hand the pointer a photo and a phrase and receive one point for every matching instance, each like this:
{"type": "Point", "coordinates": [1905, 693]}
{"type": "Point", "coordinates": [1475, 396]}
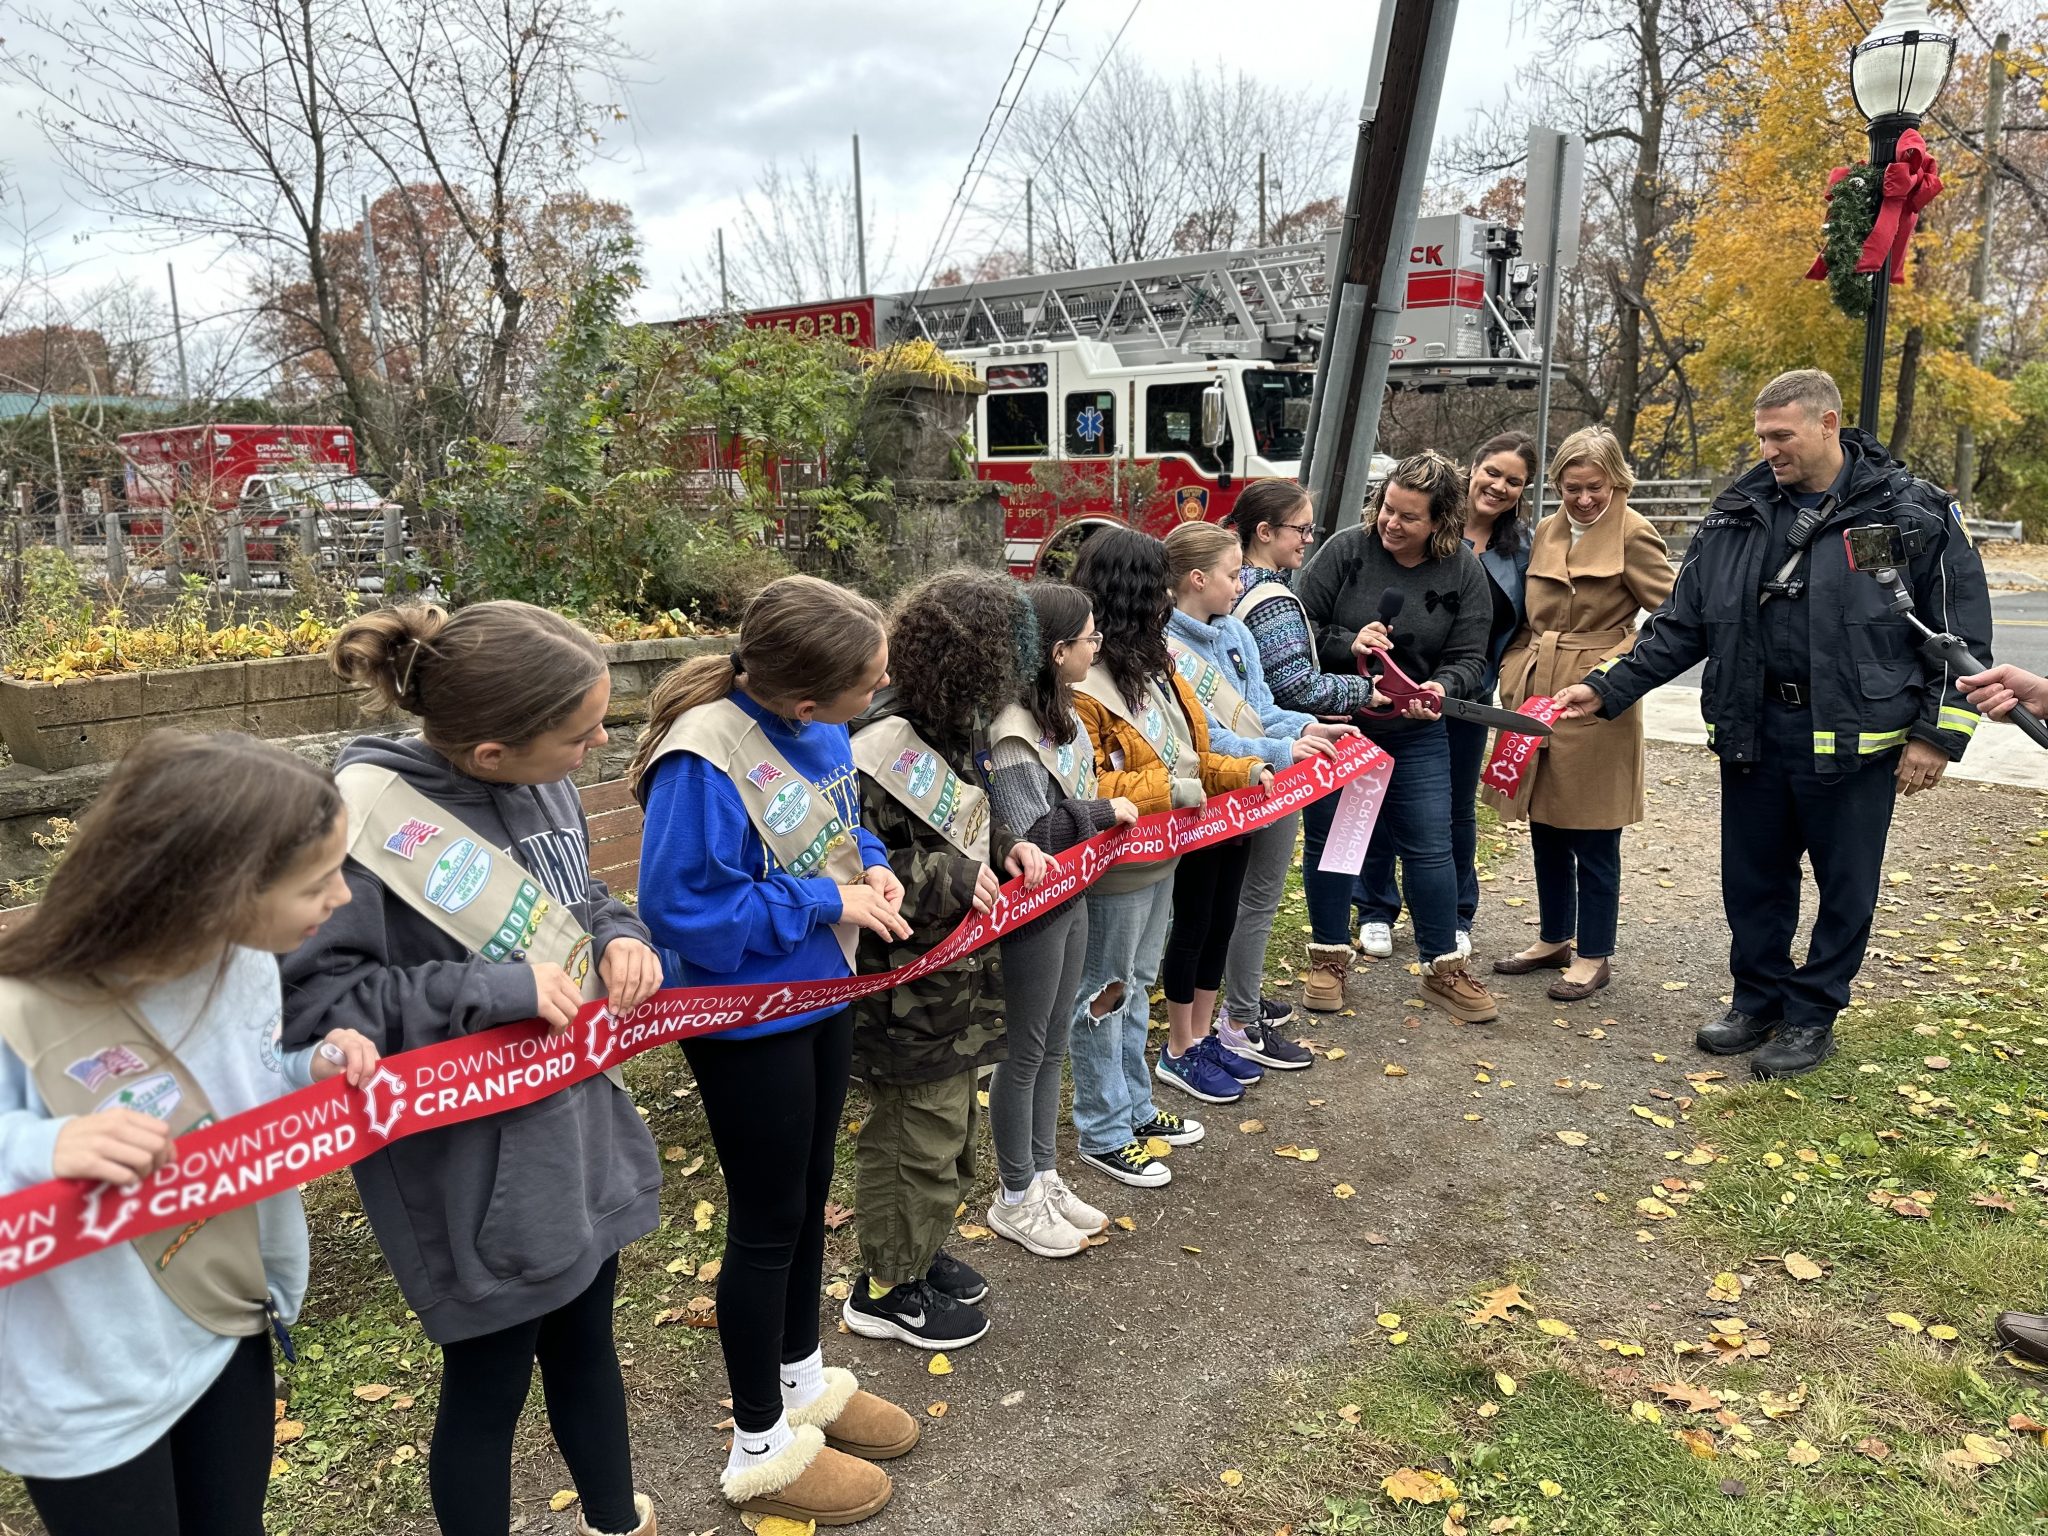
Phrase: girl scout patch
{"type": "Point", "coordinates": [761, 775]}
{"type": "Point", "coordinates": [785, 813]}
{"type": "Point", "coordinates": [457, 876]}
{"type": "Point", "coordinates": [920, 768]}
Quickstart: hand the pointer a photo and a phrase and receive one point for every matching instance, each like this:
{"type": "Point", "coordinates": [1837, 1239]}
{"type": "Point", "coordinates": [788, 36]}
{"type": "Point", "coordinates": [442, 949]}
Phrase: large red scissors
{"type": "Point", "coordinates": [1400, 690]}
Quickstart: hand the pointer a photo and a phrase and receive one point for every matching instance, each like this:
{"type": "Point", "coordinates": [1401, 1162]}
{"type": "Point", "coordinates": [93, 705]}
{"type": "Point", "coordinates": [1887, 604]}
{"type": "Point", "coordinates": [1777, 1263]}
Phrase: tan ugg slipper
{"type": "Point", "coordinates": [642, 1506]}
{"type": "Point", "coordinates": [856, 1422]}
{"type": "Point", "coordinates": [810, 1481]}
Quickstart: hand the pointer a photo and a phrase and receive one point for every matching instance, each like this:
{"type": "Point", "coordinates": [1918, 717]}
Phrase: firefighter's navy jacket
{"type": "Point", "coordinates": [1870, 690]}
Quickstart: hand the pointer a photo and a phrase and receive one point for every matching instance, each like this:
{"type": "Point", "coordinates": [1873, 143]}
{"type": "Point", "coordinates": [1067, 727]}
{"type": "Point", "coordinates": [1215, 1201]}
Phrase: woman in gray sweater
{"type": "Point", "coordinates": [1411, 544]}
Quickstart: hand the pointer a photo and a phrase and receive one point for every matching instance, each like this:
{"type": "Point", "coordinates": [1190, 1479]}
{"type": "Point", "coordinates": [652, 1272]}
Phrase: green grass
{"type": "Point", "coordinates": [1793, 1168]}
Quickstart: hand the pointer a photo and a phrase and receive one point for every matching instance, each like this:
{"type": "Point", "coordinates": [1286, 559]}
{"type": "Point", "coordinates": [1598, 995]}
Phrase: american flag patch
{"type": "Point", "coordinates": [408, 839]}
{"type": "Point", "coordinates": [905, 761]}
{"type": "Point", "coordinates": [94, 1072]}
{"type": "Point", "coordinates": [761, 775]}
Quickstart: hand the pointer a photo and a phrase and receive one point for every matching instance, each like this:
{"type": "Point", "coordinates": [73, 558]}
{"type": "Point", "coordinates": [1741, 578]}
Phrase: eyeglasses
{"type": "Point", "coordinates": [1092, 638]}
{"type": "Point", "coordinates": [1305, 530]}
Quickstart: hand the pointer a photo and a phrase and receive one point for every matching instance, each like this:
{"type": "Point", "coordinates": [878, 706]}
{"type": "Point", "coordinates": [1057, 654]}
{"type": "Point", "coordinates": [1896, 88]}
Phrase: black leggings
{"type": "Point", "coordinates": [1205, 889]}
{"type": "Point", "coordinates": [484, 1383]}
{"type": "Point", "coordinates": [206, 1476]}
{"type": "Point", "coordinates": [773, 1103]}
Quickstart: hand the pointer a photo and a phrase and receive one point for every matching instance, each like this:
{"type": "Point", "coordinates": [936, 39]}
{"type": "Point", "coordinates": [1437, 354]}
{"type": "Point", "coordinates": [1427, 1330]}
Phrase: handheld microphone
{"type": "Point", "coordinates": [1392, 601]}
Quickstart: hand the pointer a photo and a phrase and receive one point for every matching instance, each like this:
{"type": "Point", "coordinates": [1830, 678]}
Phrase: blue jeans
{"type": "Point", "coordinates": [1578, 886]}
{"type": "Point", "coordinates": [1415, 823]}
{"type": "Point", "coordinates": [1379, 894]}
{"type": "Point", "coordinates": [1112, 1087]}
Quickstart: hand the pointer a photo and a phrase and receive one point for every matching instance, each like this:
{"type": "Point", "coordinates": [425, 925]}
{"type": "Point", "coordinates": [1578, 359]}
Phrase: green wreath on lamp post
{"type": "Point", "coordinates": [1853, 203]}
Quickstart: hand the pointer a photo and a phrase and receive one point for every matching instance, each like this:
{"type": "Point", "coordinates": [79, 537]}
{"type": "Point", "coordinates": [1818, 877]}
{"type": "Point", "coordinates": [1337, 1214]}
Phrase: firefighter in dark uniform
{"type": "Point", "coordinates": [1817, 701]}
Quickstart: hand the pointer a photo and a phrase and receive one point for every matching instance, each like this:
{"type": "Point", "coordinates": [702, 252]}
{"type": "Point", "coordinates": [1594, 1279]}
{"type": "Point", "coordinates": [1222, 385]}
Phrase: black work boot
{"type": "Point", "coordinates": [2025, 1334]}
{"type": "Point", "coordinates": [1794, 1050]}
{"type": "Point", "coordinates": [1733, 1033]}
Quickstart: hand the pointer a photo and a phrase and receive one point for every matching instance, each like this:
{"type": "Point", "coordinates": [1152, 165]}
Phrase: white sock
{"type": "Point", "coordinates": [753, 1450]}
{"type": "Point", "coordinates": [803, 1381]}
{"type": "Point", "coordinates": [1011, 1196]}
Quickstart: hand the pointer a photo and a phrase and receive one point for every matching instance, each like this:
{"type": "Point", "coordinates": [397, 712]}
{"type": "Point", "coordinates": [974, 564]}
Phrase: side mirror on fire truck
{"type": "Point", "coordinates": [1215, 417]}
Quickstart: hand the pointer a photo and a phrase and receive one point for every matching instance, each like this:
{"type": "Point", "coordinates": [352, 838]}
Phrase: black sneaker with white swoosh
{"type": "Point", "coordinates": [913, 1314]}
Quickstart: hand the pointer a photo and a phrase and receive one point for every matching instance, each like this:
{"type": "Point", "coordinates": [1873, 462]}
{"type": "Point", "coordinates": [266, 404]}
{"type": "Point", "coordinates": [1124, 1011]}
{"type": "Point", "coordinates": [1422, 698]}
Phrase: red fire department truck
{"type": "Point", "coordinates": [1199, 365]}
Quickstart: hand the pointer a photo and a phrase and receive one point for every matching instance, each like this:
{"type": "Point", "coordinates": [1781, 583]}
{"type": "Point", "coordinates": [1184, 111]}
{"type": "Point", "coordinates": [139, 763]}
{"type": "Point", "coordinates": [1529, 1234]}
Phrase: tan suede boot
{"type": "Point", "coordinates": [857, 1422]}
{"type": "Point", "coordinates": [642, 1506]}
{"type": "Point", "coordinates": [1328, 966]}
{"type": "Point", "coordinates": [810, 1481]}
{"type": "Point", "coordinates": [1453, 988]}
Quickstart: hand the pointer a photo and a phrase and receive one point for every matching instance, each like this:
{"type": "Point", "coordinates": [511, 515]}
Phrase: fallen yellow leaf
{"type": "Point", "coordinates": [1905, 1320]}
{"type": "Point", "coordinates": [1251, 1127]}
{"type": "Point", "coordinates": [562, 1499]}
{"type": "Point", "coordinates": [1573, 1138]}
{"type": "Point", "coordinates": [709, 1272]}
{"type": "Point", "coordinates": [1800, 1267]}
{"type": "Point", "coordinates": [701, 1215]}
{"type": "Point", "coordinates": [1557, 1328]}
{"type": "Point", "coordinates": [1335, 1053]}
{"type": "Point", "coordinates": [1307, 1154]}
{"type": "Point", "coordinates": [1418, 1485]}
{"type": "Point", "coordinates": [1649, 1413]}
{"type": "Point", "coordinates": [1343, 1191]}
{"type": "Point", "coordinates": [1548, 1489]}
{"type": "Point", "coordinates": [373, 1392]}
{"type": "Point", "coordinates": [1393, 1069]}
{"type": "Point", "coordinates": [1943, 1332]}
{"type": "Point", "coordinates": [782, 1525]}
{"type": "Point", "coordinates": [1802, 1454]}
{"type": "Point", "coordinates": [1230, 1477]}
{"type": "Point", "coordinates": [1389, 1319]}
{"type": "Point", "coordinates": [287, 1431]}
{"type": "Point", "coordinates": [1727, 1286]}
{"type": "Point", "coordinates": [1127, 1224]}
{"type": "Point", "coordinates": [1505, 1382]}
{"type": "Point", "coordinates": [936, 1410]}
{"type": "Point", "coordinates": [939, 1365]}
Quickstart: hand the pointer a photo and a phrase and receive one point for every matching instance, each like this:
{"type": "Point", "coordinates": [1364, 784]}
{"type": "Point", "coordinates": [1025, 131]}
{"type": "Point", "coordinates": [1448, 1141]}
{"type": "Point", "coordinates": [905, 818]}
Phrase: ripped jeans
{"type": "Point", "coordinates": [1112, 1086]}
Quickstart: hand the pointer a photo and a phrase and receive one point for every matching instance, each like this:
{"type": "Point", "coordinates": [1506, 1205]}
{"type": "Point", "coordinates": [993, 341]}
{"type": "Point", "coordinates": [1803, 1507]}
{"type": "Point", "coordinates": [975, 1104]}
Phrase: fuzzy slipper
{"type": "Point", "coordinates": [857, 1422]}
{"type": "Point", "coordinates": [809, 1480]}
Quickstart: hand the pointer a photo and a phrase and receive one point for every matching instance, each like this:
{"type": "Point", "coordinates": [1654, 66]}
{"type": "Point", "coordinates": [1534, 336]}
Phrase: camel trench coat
{"type": "Point", "coordinates": [1582, 606]}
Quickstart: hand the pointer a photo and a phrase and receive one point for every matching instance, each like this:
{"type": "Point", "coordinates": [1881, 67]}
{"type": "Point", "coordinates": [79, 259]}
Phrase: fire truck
{"type": "Point", "coordinates": [1199, 366]}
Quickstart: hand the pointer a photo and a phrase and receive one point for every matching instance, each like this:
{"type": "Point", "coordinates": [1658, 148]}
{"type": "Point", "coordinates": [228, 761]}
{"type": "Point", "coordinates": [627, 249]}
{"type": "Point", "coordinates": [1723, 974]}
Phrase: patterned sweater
{"type": "Point", "coordinates": [1287, 653]}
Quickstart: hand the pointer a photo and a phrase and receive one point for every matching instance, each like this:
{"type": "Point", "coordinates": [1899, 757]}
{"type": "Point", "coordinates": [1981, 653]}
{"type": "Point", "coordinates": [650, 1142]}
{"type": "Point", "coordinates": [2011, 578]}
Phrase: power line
{"type": "Point", "coordinates": [1068, 122]}
{"type": "Point", "coordinates": [1033, 44]}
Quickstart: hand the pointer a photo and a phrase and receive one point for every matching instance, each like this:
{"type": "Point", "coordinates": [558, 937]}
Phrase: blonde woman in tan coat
{"type": "Point", "coordinates": [1593, 567]}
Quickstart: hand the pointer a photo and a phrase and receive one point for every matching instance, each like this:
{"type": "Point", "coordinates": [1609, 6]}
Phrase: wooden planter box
{"type": "Point", "coordinates": [96, 719]}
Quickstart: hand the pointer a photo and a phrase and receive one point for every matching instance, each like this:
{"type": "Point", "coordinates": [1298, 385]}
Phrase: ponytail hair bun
{"type": "Point", "coordinates": [381, 651]}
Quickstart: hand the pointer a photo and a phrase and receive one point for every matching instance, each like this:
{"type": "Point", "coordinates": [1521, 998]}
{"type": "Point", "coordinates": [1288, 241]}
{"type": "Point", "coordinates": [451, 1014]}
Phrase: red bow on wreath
{"type": "Point", "coordinates": [1911, 182]}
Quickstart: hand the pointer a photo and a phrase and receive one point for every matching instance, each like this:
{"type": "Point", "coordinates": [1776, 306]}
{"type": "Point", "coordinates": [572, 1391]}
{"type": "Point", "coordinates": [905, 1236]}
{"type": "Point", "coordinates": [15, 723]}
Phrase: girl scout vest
{"type": "Point", "coordinates": [794, 819]}
{"type": "Point", "coordinates": [1258, 596]}
{"type": "Point", "coordinates": [890, 752]}
{"type": "Point", "coordinates": [1072, 765]}
{"type": "Point", "coordinates": [1219, 695]}
{"type": "Point", "coordinates": [460, 881]}
{"type": "Point", "coordinates": [90, 1050]}
{"type": "Point", "coordinates": [1159, 720]}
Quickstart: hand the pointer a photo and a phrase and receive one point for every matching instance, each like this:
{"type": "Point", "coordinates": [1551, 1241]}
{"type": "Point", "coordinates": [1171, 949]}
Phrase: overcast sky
{"type": "Point", "coordinates": [724, 85]}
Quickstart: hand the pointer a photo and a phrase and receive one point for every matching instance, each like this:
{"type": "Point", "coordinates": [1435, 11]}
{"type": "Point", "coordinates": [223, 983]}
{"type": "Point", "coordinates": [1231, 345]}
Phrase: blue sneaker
{"type": "Point", "coordinates": [1244, 1069]}
{"type": "Point", "coordinates": [1198, 1075]}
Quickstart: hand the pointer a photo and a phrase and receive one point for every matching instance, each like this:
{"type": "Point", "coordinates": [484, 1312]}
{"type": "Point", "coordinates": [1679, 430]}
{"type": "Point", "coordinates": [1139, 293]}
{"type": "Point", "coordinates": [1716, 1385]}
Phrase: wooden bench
{"type": "Point", "coordinates": [615, 821]}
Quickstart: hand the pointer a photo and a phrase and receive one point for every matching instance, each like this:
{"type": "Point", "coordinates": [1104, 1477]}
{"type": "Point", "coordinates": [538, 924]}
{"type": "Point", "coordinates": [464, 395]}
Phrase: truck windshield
{"type": "Point", "coordinates": [1278, 401]}
{"type": "Point", "coordinates": [324, 490]}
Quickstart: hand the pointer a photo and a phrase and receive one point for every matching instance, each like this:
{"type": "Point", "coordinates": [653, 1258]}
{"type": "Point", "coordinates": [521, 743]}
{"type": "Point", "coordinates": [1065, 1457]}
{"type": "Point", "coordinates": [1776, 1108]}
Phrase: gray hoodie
{"type": "Point", "coordinates": [496, 1221]}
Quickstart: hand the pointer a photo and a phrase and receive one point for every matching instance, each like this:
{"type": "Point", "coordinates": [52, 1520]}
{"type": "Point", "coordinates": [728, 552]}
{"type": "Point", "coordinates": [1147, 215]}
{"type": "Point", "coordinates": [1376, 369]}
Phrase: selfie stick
{"type": "Point", "coordinates": [1949, 651]}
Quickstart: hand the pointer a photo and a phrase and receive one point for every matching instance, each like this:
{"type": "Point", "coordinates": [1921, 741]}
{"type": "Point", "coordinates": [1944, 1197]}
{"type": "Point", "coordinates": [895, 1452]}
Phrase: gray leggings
{"type": "Point", "coordinates": [1041, 972]}
{"type": "Point", "coordinates": [1265, 879]}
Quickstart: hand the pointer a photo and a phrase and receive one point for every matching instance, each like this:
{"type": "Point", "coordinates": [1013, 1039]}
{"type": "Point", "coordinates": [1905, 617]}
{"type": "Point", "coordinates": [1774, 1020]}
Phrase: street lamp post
{"type": "Point", "coordinates": [1895, 75]}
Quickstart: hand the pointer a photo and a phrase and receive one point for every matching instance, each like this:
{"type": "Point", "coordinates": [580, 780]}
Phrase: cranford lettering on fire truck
{"type": "Point", "coordinates": [1198, 367]}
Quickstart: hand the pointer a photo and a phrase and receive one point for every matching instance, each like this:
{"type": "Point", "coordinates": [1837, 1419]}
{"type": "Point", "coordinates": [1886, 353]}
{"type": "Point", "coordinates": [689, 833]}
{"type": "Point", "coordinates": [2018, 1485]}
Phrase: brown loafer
{"type": "Point", "coordinates": [857, 1422]}
{"type": "Point", "coordinates": [1577, 991]}
{"type": "Point", "coordinates": [1522, 965]}
{"type": "Point", "coordinates": [2025, 1334]}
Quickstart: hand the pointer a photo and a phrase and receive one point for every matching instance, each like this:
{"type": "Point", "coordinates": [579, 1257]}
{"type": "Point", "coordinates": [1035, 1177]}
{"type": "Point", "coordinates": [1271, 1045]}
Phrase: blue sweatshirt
{"type": "Point", "coordinates": [96, 1362]}
{"type": "Point", "coordinates": [1228, 646]}
{"type": "Point", "coordinates": [721, 910]}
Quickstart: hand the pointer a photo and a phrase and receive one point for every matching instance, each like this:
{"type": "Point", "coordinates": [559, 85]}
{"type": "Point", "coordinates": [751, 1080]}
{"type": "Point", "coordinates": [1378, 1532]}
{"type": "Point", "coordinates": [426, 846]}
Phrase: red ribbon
{"type": "Point", "coordinates": [313, 1131]}
{"type": "Point", "coordinates": [1911, 182]}
{"type": "Point", "coordinates": [1513, 749]}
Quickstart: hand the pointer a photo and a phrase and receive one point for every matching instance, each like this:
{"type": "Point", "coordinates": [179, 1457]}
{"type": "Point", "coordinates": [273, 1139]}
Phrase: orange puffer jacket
{"type": "Point", "coordinates": [1143, 779]}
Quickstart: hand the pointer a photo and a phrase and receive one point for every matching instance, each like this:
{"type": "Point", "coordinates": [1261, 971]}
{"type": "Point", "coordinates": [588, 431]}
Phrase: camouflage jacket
{"type": "Point", "coordinates": [952, 1020]}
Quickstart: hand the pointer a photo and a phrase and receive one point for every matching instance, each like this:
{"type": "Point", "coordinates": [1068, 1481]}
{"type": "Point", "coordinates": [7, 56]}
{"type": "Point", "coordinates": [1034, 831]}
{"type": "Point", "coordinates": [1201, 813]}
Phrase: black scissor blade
{"type": "Point", "coordinates": [1487, 714]}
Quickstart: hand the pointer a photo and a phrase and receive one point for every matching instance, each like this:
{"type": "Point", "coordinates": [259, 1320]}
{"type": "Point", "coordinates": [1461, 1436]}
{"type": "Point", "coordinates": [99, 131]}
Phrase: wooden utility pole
{"type": "Point", "coordinates": [1980, 269]}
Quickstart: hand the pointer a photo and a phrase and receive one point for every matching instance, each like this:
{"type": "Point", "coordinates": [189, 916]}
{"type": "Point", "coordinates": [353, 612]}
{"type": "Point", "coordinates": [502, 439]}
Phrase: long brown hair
{"type": "Point", "coordinates": [800, 638]}
{"type": "Point", "coordinates": [959, 635]}
{"type": "Point", "coordinates": [1063, 612]}
{"type": "Point", "coordinates": [168, 863]}
{"type": "Point", "coordinates": [501, 671]}
{"type": "Point", "coordinates": [1124, 572]}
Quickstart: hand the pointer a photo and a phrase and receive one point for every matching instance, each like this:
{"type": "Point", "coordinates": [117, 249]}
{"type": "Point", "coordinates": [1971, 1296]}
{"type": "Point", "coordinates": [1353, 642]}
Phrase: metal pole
{"type": "Point", "coordinates": [178, 331]}
{"type": "Point", "coordinates": [860, 226]}
{"type": "Point", "coordinates": [1418, 54]}
{"type": "Point", "coordinates": [117, 547]}
{"type": "Point", "coordinates": [1262, 197]}
{"type": "Point", "coordinates": [1548, 296]}
{"type": "Point", "coordinates": [1030, 231]}
{"type": "Point", "coordinates": [724, 291]}
{"type": "Point", "coordinates": [63, 533]}
{"type": "Point", "coordinates": [376, 298]}
{"type": "Point", "coordinates": [1884, 145]}
{"type": "Point", "coordinates": [1980, 269]}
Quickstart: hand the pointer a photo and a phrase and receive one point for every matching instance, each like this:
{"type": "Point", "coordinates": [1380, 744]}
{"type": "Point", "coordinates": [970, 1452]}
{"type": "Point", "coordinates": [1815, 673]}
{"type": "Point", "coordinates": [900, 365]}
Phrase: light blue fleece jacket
{"type": "Point", "coordinates": [96, 1362]}
{"type": "Point", "coordinates": [1228, 646]}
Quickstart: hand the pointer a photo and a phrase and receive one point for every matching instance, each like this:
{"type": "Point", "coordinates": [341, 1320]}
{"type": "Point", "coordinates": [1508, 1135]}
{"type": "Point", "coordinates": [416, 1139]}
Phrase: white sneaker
{"type": "Point", "coordinates": [1073, 1210]}
{"type": "Point", "coordinates": [1464, 945]}
{"type": "Point", "coordinates": [1036, 1225]}
{"type": "Point", "coordinates": [1376, 939]}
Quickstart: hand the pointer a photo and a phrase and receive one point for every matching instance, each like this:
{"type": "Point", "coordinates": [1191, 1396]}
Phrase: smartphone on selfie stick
{"type": "Point", "coordinates": [1878, 550]}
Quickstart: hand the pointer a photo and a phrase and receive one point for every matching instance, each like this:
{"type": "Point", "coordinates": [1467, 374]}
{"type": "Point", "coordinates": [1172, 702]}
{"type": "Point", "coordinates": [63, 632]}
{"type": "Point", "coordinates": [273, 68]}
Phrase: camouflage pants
{"type": "Point", "coordinates": [914, 1164]}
